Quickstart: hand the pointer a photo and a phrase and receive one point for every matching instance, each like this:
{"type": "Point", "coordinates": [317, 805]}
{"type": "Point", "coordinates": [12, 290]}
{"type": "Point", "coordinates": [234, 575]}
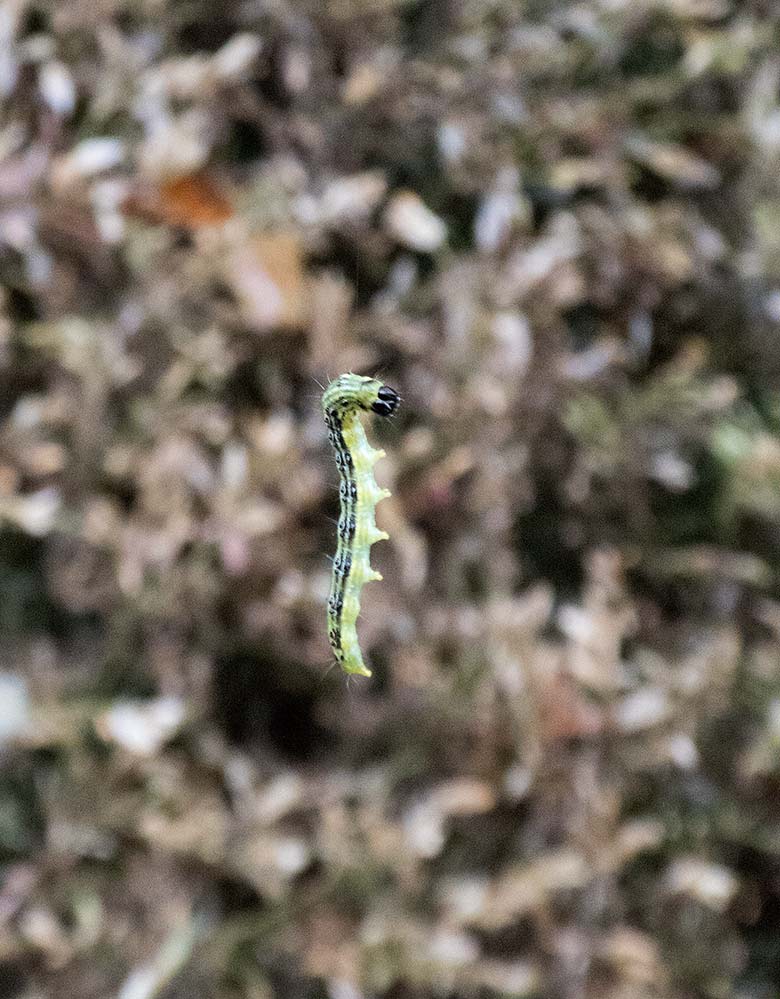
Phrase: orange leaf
{"type": "Point", "coordinates": [191, 202]}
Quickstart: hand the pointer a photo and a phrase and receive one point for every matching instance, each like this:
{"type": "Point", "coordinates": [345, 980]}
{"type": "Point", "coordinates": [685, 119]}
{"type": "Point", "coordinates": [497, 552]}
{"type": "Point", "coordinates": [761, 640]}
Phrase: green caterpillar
{"type": "Point", "coordinates": [342, 403]}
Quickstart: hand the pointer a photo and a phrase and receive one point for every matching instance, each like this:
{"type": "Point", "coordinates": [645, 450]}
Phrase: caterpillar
{"type": "Point", "coordinates": [342, 402]}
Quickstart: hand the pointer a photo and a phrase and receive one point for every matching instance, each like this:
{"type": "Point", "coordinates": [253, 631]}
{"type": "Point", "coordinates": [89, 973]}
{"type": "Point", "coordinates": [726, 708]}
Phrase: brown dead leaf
{"type": "Point", "coordinates": [565, 713]}
{"type": "Point", "coordinates": [267, 275]}
{"type": "Point", "coordinates": [191, 202]}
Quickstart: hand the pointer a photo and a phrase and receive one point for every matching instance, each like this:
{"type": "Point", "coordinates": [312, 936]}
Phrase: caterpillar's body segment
{"type": "Point", "coordinates": [343, 401]}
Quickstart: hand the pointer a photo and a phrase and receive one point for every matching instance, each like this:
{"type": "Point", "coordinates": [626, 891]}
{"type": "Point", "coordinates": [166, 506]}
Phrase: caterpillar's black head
{"type": "Point", "coordinates": [357, 392]}
{"type": "Point", "coordinates": [386, 402]}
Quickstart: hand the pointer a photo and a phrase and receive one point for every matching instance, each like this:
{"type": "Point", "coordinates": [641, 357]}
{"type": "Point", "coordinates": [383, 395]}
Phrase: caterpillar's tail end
{"type": "Point", "coordinates": [356, 669]}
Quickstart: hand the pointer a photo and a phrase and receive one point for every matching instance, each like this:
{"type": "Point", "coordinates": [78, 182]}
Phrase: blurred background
{"type": "Point", "coordinates": [555, 229]}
